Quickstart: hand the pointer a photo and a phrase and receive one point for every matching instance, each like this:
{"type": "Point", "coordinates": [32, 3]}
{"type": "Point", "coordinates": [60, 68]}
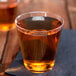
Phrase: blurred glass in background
{"type": "Point", "coordinates": [8, 12]}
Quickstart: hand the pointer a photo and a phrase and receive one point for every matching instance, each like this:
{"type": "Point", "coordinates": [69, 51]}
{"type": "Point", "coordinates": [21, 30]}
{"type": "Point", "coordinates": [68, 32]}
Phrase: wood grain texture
{"type": "Point", "coordinates": [55, 6]}
{"type": "Point", "coordinates": [11, 48]}
{"type": "Point", "coordinates": [72, 12]}
{"type": "Point", "coordinates": [3, 36]}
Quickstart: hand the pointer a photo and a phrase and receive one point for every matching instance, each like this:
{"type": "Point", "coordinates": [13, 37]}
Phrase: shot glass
{"type": "Point", "coordinates": [39, 34]}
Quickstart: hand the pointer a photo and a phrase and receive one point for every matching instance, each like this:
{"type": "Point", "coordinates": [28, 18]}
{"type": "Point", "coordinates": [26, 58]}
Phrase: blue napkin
{"type": "Point", "coordinates": [65, 60]}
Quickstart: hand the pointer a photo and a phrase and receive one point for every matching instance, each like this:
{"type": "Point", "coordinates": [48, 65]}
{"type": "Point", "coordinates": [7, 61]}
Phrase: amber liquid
{"type": "Point", "coordinates": [39, 48]}
{"type": "Point", "coordinates": [7, 15]}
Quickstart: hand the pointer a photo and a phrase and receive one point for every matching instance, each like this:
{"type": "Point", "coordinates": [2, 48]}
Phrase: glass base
{"type": "Point", "coordinates": [7, 27]}
{"type": "Point", "coordinates": [40, 67]}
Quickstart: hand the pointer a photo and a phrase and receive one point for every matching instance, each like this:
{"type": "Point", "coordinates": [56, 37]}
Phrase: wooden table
{"type": "Point", "coordinates": [65, 8]}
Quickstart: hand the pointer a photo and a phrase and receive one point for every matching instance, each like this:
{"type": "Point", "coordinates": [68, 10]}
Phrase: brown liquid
{"type": "Point", "coordinates": [39, 48]}
{"type": "Point", "coordinates": [7, 16]}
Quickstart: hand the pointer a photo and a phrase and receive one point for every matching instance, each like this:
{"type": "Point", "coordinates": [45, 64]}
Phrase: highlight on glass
{"type": "Point", "coordinates": [39, 34]}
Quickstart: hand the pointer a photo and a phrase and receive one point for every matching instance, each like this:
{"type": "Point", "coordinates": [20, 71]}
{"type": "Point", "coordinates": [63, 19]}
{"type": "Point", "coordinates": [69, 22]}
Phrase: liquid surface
{"type": "Point", "coordinates": [39, 50]}
{"type": "Point", "coordinates": [39, 23]}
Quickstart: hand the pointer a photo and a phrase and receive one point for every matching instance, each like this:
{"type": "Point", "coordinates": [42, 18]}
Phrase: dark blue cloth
{"type": "Point", "coordinates": [65, 60]}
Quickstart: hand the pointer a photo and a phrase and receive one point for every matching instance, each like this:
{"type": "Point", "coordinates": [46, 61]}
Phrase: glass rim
{"type": "Point", "coordinates": [57, 17]}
